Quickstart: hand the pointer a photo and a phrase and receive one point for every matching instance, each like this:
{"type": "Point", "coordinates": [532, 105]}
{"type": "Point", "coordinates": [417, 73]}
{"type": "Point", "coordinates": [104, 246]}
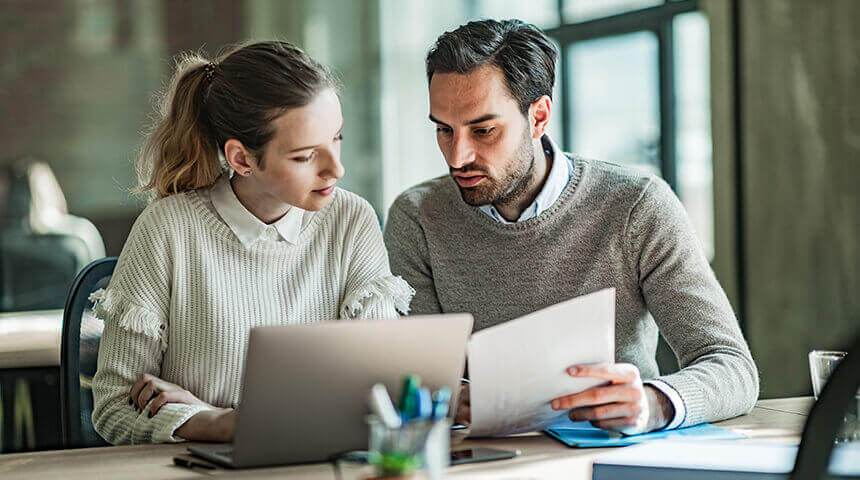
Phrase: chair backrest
{"type": "Point", "coordinates": [36, 268]}
{"type": "Point", "coordinates": [826, 417]}
{"type": "Point", "coordinates": [79, 355]}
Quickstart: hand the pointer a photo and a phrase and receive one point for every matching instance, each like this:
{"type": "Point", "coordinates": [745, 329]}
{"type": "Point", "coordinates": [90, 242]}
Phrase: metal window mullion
{"type": "Point", "coordinates": [645, 19]}
{"type": "Point", "coordinates": [737, 91]}
{"type": "Point", "coordinates": [667, 103]}
{"type": "Point", "coordinates": [566, 118]}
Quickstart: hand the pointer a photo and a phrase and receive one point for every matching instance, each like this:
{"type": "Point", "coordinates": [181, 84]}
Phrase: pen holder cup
{"type": "Point", "coordinates": [417, 449]}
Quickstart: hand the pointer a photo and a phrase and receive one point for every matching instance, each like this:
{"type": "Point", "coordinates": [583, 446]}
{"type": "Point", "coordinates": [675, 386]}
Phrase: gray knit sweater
{"type": "Point", "coordinates": [611, 227]}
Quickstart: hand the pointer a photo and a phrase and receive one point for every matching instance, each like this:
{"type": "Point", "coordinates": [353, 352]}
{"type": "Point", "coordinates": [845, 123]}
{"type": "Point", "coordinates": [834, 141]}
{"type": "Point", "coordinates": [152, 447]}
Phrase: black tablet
{"type": "Point", "coordinates": [480, 454]}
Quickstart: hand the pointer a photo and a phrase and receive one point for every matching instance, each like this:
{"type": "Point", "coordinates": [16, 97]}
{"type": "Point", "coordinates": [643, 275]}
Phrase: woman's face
{"type": "Point", "coordinates": [302, 161]}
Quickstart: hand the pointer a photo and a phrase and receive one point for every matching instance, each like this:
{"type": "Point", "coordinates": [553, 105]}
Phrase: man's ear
{"type": "Point", "coordinates": [539, 113]}
{"type": "Point", "coordinates": [238, 157]}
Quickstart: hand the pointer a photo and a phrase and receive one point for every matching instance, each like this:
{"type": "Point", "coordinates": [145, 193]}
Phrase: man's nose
{"type": "Point", "coordinates": [462, 152]}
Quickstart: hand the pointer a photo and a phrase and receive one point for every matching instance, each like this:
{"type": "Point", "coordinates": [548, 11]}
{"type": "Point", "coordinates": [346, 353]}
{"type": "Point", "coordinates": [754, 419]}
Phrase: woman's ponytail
{"type": "Point", "coordinates": [181, 151]}
{"type": "Point", "coordinates": [207, 104]}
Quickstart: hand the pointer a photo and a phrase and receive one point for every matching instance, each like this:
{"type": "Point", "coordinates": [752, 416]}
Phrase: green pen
{"type": "Point", "coordinates": [408, 405]}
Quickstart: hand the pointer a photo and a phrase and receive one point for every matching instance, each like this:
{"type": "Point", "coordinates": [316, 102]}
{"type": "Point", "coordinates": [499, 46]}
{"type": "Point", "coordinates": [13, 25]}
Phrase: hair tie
{"type": "Point", "coordinates": [209, 71]}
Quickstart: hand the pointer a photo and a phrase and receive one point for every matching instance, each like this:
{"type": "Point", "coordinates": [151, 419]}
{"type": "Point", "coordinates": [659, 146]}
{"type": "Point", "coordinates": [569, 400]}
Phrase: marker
{"type": "Point", "coordinates": [381, 406]}
{"type": "Point", "coordinates": [441, 399]}
{"type": "Point", "coordinates": [424, 404]}
{"type": "Point", "coordinates": [408, 397]}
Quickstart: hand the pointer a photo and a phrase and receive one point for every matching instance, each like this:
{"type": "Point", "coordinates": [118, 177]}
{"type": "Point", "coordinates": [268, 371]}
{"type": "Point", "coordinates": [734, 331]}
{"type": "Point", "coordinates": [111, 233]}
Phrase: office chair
{"type": "Point", "coordinates": [42, 247]}
{"type": "Point", "coordinates": [79, 355]}
{"type": "Point", "coordinates": [825, 418]}
{"type": "Point", "coordinates": [36, 269]}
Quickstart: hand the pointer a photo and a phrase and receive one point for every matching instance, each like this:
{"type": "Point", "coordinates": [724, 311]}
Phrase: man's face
{"type": "Point", "coordinates": [482, 134]}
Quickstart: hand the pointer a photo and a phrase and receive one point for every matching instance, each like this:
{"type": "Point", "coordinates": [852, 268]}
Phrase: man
{"type": "Point", "coordinates": [518, 225]}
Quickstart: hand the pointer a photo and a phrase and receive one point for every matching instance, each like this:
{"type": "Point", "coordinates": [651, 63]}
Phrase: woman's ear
{"type": "Point", "coordinates": [238, 157]}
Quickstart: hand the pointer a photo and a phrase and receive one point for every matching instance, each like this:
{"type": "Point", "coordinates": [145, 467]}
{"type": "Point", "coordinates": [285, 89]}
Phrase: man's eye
{"type": "Point", "coordinates": [444, 130]}
{"type": "Point", "coordinates": [484, 131]}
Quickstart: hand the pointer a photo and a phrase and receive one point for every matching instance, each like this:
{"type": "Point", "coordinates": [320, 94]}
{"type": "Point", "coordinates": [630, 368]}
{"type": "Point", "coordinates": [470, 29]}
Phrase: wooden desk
{"type": "Point", "coordinates": [772, 420]}
{"type": "Point", "coordinates": [30, 379]}
{"type": "Point", "coordinates": [30, 339]}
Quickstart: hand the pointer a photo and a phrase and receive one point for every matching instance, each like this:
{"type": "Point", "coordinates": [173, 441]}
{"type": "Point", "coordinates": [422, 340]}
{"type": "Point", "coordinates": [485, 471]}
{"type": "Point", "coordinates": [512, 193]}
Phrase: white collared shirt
{"type": "Point", "coordinates": [559, 175]}
{"type": "Point", "coordinates": [248, 228]}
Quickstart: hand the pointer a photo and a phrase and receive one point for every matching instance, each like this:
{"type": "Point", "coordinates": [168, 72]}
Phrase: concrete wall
{"type": "Point", "coordinates": [800, 167]}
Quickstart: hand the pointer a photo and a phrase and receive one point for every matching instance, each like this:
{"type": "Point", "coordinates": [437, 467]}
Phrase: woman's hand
{"type": "Point", "coordinates": [216, 425]}
{"type": "Point", "coordinates": [153, 389]}
{"type": "Point", "coordinates": [210, 425]}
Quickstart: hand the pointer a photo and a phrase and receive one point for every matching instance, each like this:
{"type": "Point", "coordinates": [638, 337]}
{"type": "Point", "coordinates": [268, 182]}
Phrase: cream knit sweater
{"type": "Point", "coordinates": [186, 293]}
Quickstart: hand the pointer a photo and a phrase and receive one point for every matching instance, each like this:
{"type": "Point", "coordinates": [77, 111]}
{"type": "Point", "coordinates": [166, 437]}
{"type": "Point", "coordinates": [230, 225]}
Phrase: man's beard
{"type": "Point", "coordinates": [513, 182]}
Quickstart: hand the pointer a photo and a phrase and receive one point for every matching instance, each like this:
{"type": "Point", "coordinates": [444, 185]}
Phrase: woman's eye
{"type": "Point", "coordinates": [306, 159]}
{"type": "Point", "coordinates": [339, 137]}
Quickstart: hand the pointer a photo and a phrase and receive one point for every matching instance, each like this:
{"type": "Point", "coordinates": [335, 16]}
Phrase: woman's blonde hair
{"type": "Point", "coordinates": [208, 103]}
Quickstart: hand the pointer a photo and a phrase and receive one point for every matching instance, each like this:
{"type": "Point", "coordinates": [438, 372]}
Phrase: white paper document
{"type": "Point", "coordinates": [518, 367]}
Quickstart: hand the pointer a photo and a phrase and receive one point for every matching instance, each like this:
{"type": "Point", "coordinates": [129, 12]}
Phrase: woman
{"type": "Point", "coordinates": [218, 254]}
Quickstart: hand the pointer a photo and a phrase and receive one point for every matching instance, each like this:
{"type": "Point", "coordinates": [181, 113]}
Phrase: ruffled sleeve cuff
{"type": "Point", "coordinates": [110, 305]}
{"type": "Point", "coordinates": [391, 290]}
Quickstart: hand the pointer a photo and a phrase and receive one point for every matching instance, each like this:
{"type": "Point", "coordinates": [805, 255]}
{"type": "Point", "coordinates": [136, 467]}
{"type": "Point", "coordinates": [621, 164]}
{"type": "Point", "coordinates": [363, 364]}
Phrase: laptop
{"type": "Point", "coordinates": [305, 391]}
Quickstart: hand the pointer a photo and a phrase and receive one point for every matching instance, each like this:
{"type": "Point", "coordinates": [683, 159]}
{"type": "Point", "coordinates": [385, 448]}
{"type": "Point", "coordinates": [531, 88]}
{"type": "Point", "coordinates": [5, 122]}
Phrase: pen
{"type": "Point", "coordinates": [424, 403]}
{"type": "Point", "coordinates": [189, 462]}
{"type": "Point", "coordinates": [408, 397]}
{"type": "Point", "coordinates": [381, 406]}
{"type": "Point", "coordinates": [441, 399]}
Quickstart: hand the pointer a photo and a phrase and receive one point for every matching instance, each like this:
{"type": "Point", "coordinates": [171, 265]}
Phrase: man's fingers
{"type": "Point", "coordinates": [605, 412]}
{"type": "Point", "coordinates": [626, 425]}
{"type": "Point", "coordinates": [613, 372]}
{"type": "Point", "coordinates": [465, 395]}
{"type": "Point", "coordinates": [597, 396]}
{"type": "Point", "coordinates": [464, 416]}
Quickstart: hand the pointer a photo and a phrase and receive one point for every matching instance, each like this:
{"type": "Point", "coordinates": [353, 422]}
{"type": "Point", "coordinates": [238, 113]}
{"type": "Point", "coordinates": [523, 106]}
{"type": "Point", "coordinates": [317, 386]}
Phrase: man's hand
{"type": "Point", "coordinates": [158, 391]}
{"type": "Point", "coordinates": [463, 415]}
{"type": "Point", "coordinates": [624, 405]}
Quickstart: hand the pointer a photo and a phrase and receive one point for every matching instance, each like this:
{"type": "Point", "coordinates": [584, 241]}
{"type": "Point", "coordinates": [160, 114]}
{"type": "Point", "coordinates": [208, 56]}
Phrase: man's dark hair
{"type": "Point", "coordinates": [521, 51]}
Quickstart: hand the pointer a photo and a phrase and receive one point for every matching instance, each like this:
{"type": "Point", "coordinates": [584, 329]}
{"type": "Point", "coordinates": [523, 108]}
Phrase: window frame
{"type": "Point", "coordinates": [657, 19]}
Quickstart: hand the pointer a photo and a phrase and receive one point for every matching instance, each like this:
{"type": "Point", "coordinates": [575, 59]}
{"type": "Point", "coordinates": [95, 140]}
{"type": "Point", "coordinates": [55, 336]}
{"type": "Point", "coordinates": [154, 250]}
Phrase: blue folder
{"type": "Point", "coordinates": [584, 435]}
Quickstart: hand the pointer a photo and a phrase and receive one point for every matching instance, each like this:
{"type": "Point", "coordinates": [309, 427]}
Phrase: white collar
{"type": "Point", "coordinates": [556, 181]}
{"type": "Point", "coordinates": [244, 224]}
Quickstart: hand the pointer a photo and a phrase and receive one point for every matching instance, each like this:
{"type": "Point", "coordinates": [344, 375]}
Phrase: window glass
{"type": "Point", "coordinates": [583, 10]}
{"type": "Point", "coordinates": [614, 100]}
{"type": "Point", "coordinates": [541, 13]}
{"type": "Point", "coordinates": [693, 123]}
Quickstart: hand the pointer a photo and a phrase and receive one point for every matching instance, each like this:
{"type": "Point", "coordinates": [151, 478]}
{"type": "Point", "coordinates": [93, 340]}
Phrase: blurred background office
{"type": "Point", "coordinates": [747, 108]}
